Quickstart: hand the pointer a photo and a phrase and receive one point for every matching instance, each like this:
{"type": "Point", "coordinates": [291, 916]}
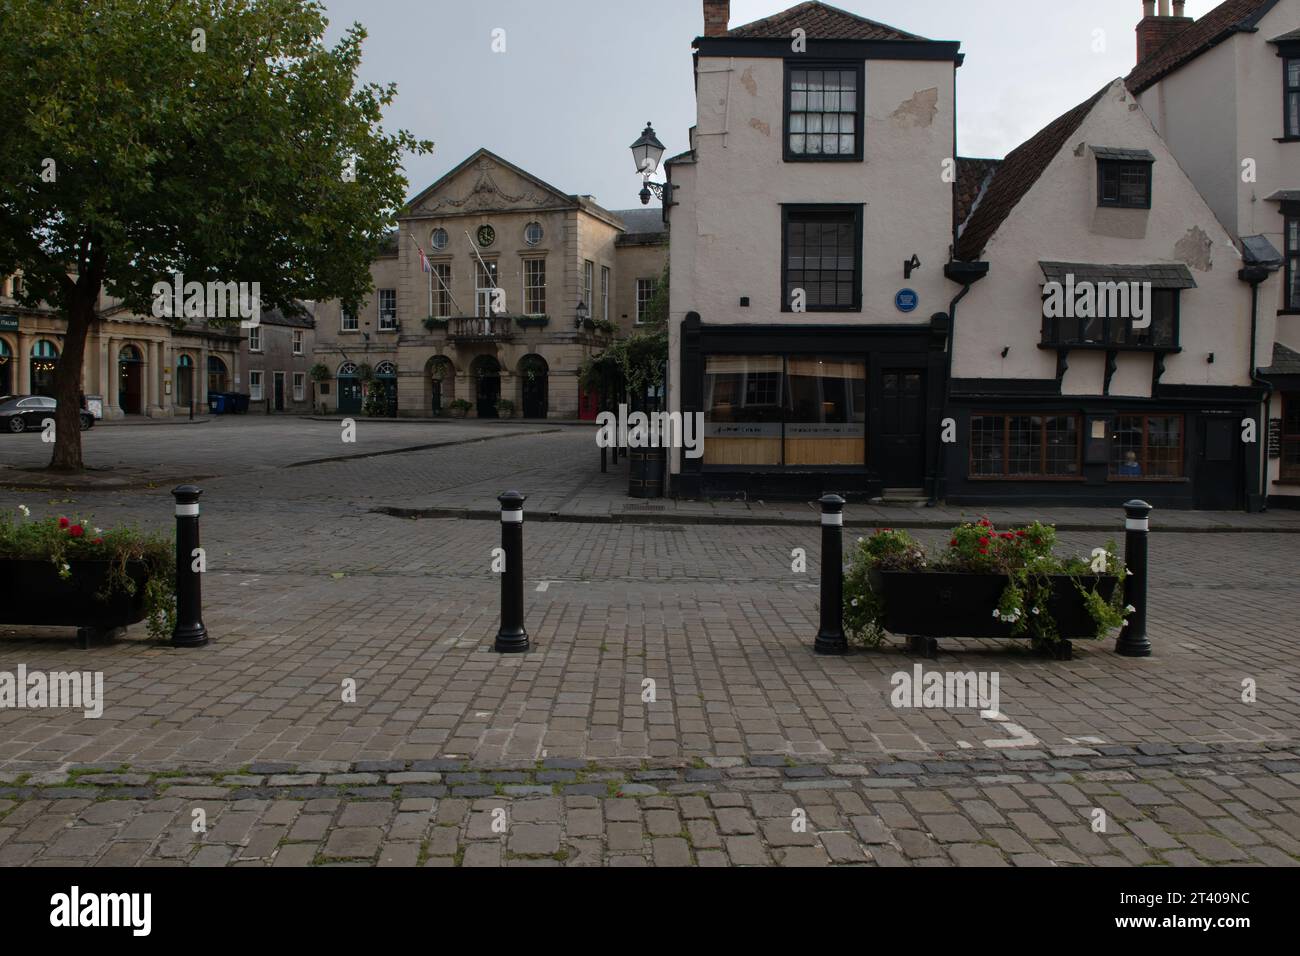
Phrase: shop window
{"type": "Point", "coordinates": [742, 409]}
{"type": "Point", "coordinates": [825, 412]}
{"type": "Point", "coordinates": [1025, 446]}
{"type": "Point", "coordinates": [1147, 447]}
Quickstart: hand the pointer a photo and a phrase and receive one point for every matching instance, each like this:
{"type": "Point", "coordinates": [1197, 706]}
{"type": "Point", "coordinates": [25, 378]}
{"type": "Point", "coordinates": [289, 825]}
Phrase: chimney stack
{"type": "Point", "coordinates": [1156, 30]}
{"type": "Point", "coordinates": [717, 14]}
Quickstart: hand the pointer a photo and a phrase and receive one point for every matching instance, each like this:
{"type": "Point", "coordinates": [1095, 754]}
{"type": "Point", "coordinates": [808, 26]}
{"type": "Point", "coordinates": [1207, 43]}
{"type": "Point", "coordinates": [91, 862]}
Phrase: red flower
{"type": "Point", "coordinates": [1021, 534]}
{"type": "Point", "coordinates": [63, 522]}
{"type": "Point", "coordinates": [952, 543]}
{"type": "Point", "coordinates": [984, 542]}
{"type": "Point", "coordinates": [76, 531]}
{"type": "Point", "coordinates": [1008, 535]}
{"type": "Point", "coordinates": [97, 541]}
{"type": "Point", "coordinates": [889, 530]}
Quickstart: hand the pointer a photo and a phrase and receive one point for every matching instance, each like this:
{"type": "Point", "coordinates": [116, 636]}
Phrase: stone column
{"type": "Point", "coordinates": [201, 380]}
{"type": "Point", "coordinates": [153, 372]}
{"type": "Point", "coordinates": [111, 347]}
{"type": "Point", "coordinates": [23, 380]}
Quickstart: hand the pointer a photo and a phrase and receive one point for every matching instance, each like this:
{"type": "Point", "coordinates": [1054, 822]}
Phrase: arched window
{"type": "Point", "coordinates": [130, 354]}
{"type": "Point", "coordinates": [6, 368]}
{"type": "Point", "coordinates": [385, 370]}
{"type": "Point", "coordinates": [348, 370]}
{"type": "Point", "coordinates": [45, 349]}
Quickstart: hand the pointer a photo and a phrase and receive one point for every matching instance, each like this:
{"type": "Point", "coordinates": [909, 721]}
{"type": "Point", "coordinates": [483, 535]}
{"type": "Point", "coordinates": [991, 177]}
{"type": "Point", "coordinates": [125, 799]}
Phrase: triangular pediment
{"type": "Point", "coordinates": [486, 182]}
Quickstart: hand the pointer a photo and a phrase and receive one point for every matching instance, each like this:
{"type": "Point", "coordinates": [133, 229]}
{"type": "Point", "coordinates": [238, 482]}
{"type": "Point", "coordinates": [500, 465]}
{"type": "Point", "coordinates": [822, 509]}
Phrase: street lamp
{"type": "Point", "coordinates": [647, 152]}
{"type": "Point", "coordinates": [582, 315]}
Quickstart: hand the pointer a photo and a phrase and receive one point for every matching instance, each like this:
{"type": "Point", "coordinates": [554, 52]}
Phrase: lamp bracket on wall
{"type": "Point", "coordinates": [910, 266]}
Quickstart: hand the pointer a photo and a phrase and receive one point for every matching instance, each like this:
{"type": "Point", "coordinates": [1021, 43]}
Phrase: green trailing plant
{"type": "Point", "coordinates": [505, 408]}
{"type": "Point", "coordinates": [319, 373]}
{"type": "Point", "coordinates": [64, 541]}
{"type": "Point", "coordinates": [365, 372]}
{"type": "Point", "coordinates": [433, 322]}
{"type": "Point", "coordinates": [376, 403]}
{"type": "Point", "coordinates": [1024, 555]}
{"type": "Point", "coordinates": [459, 407]}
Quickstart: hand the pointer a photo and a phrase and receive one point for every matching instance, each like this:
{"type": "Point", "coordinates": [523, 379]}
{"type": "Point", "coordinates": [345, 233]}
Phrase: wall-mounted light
{"type": "Point", "coordinates": [1006, 351]}
{"type": "Point", "coordinates": [1209, 359]}
{"type": "Point", "coordinates": [910, 266]}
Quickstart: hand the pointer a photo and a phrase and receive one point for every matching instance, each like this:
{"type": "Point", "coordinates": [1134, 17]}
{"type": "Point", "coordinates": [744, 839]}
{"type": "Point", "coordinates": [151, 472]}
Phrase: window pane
{"type": "Point", "coordinates": [1062, 447]}
{"type": "Point", "coordinates": [742, 409]}
{"type": "Point", "coordinates": [1024, 445]}
{"type": "Point", "coordinates": [821, 258]}
{"type": "Point", "coordinates": [986, 446]}
{"type": "Point", "coordinates": [825, 412]}
{"type": "Point", "coordinates": [1164, 447]}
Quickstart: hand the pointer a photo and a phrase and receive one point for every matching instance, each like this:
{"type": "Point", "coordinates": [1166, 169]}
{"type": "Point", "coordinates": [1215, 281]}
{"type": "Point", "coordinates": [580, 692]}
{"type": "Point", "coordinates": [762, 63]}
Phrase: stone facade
{"type": "Point", "coordinates": [278, 355]}
{"type": "Point", "coordinates": [433, 338]}
{"type": "Point", "coordinates": [136, 365]}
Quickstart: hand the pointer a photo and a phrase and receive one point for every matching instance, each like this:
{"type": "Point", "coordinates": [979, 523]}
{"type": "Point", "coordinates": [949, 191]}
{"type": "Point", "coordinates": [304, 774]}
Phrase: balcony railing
{"type": "Point", "coordinates": [494, 328]}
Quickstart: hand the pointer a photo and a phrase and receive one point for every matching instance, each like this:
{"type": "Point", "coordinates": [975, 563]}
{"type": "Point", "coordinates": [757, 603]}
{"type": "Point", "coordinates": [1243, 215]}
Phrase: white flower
{"type": "Point", "coordinates": [1130, 609]}
{"type": "Point", "coordinates": [66, 566]}
{"type": "Point", "coordinates": [1130, 572]}
{"type": "Point", "coordinates": [27, 512]}
{"type": "Point", "coordinates": [860, 540]}
{"type": "Point", "coordinates": [99, 531]}
{"type": "Point", "coordinates": [1035, 610]}
{"type": "Point", "coordinates": [854, 602]}
{"type": "Point", "coordinates": [997, 613]}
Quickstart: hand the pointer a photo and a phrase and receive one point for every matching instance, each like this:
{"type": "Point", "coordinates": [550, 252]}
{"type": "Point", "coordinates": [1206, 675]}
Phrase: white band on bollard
{"type": "Point", "coordinates": [512, 517]}
{"type": "Point", "coordinates": [187, 511]}
{"type": "Point", "coordinates": [1137, 524]}
{"type": "Point", "coordinates": [833, 520]}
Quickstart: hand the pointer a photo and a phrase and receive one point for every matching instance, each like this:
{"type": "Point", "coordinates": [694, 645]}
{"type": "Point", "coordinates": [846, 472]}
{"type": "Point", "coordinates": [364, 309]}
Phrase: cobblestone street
{"type": "Point", "coordinates": [308, 587]}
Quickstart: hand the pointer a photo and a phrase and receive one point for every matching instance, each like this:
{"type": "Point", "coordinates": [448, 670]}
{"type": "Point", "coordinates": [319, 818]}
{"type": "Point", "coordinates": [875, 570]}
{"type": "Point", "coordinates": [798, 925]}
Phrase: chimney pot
{"type": "Point", "coordinates": [1164, 8]}
{"type": "Point", "coordinates": [1148, 8]}
{"type": "Point", "coordinates": [717, 15]}
{"type": "Point", "coordinates": [1180, 8]}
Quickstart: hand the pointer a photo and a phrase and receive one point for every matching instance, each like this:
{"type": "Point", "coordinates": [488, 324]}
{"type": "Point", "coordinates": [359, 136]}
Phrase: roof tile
{"type": "Point", "coordinates": [1229, 17]}
{"type": "Point", "coordinates": [820, 21]}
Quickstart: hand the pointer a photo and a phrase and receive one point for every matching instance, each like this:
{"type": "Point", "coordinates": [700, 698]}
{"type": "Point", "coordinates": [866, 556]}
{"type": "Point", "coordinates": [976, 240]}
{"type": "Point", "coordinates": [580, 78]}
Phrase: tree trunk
{"type": "Point", "coordinates": [67, 382]}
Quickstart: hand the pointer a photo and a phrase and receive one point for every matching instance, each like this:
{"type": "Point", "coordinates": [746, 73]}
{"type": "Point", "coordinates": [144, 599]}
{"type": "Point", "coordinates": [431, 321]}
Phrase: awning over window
{"type": "Point", "coordinates": [1125, 155]}
{"type": "Point", "coordinates": [1162, 276]}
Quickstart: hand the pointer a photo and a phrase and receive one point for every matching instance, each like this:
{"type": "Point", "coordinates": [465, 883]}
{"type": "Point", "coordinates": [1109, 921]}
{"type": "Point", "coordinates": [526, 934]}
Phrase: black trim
{"type": "Point", "coordinates": [1290, 257]}
{"type": "Point", "coordinates": [964, 388]}
{"type": "Point", "coordinates": [858, 273]}
{"type": "Point", "coordinates": [1288, 51]}
{"type": "Point", "coordinates": [765, 47]}
{"type": "Point", "coordinates": [859, 116]}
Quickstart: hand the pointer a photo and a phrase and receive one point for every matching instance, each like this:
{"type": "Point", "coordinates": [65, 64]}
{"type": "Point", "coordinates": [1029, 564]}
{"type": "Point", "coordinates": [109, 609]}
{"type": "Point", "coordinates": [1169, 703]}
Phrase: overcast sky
{"type": "Point", "coordinates": [579, 78]}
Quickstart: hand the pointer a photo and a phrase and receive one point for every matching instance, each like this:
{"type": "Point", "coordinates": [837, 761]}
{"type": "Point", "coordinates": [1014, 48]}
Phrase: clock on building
{"type": "Point", "coordinates": [486, 236]}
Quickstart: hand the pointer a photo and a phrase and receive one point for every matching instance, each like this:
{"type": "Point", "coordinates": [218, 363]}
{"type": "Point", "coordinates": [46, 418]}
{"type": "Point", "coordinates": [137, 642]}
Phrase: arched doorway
{"type": "Point", "coordinates": [386, 382]}
{"type": "Point", "coordinates": [441, 378]}
{"type": "Point", "coordinates": [130, 380]}
{"type": "Point", "coordinates": [486, 373]}
{"type": "Point", "coordinates": [533, 372]}
{"type": "Point", "coordinates": [349, 389]}
{"type": "Point", "coordinates": [218, 376]}
{"type": "Point", "coordinates": [184, 381]}
{"type": "Point", "coordinates": [45, 356]}
{"type": "Point", "coordinates": [6, 369]}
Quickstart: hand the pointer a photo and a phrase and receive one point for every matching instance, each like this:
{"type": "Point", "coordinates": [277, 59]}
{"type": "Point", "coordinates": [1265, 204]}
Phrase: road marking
{"type": "Point", "coordinates": [1019, 736]}
{"type": "Point", "coordinates": [543, 585]}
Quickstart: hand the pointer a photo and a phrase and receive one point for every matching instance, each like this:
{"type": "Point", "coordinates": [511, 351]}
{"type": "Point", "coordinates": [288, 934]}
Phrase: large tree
{"type": "Point", "coordinates": [211, 138]}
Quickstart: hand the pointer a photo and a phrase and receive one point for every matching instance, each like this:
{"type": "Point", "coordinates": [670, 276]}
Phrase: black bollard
{"type": "Point", "coordinates": [189, 630]}
{"type": "Point", "coordinates": [512, 638]}
{"type": "Point", "coordinates": [604, 460]}
{"type": "Point", "coordinates": [831, 639]}
{"type": "Point", "coordinates": [1133, 640]}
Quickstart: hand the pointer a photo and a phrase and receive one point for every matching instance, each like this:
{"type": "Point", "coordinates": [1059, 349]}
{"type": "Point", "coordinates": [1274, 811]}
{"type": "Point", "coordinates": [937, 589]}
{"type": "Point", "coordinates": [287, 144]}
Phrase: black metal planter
{"type": "Point", "coordinates": [925, 606]}
{"type": "Point", "coordinates": [646, 469]}
{"type": "Point", "coordinates": [43, 599]}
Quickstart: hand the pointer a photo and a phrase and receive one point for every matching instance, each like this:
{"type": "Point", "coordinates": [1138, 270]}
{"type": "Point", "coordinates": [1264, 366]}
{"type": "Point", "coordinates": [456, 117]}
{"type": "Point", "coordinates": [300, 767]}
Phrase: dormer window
{"type": "Point", "coordinates": [1123, 177]}
{"type": "Point", "coordinates": [823, 111]}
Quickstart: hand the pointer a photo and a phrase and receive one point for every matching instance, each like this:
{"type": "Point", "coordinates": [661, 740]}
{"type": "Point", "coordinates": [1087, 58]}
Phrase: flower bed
{"type": "Point", "coordinates": [987, 584]}
{"type": "Point", "coordinates": [66, 573]}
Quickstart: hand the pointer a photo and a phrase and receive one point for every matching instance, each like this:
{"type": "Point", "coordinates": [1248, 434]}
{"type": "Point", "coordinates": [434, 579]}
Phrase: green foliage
{"type": "Point", "coordinates": [319, 373]}
{"type": "Point", "coordinates": [376, 403]}
{"type": "Point", "coordinates": [505, 408]}
{"type": "Point", "coordinates": [1025, 555]}
{"type": "Point", "coordinates": [433, 322]}
{"type": "Point", "coordinates": [62, 541]}
{"type": "Point", "coordinates": [222, 164]}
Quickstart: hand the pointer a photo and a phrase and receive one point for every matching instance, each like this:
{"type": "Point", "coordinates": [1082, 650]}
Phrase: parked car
{"type": "Point", "coordinates": [18, 413]}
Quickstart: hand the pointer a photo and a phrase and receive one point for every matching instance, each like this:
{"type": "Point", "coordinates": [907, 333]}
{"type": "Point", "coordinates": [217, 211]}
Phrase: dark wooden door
{"type": "Point", "coordinates": [1218, 464]}
{"type": "Point", "coordinates": [489, 390]}
{"type": "Point", "coordinates": [902, 413]}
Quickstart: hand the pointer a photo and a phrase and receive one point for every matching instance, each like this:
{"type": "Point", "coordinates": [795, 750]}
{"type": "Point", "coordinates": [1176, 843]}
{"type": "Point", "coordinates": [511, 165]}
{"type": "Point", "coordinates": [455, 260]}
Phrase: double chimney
{"type": "Point", "coordinates": [1156, 30]}
{"type": "Point", "coordinates": [717, 14]}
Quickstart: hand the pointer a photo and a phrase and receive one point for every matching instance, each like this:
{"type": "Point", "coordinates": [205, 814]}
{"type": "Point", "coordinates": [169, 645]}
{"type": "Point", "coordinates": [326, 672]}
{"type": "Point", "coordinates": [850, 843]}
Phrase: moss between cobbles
{"type": "Point", "coordinates": [422, 857]}
{"type": "Point", "coordinates": [458, 858]}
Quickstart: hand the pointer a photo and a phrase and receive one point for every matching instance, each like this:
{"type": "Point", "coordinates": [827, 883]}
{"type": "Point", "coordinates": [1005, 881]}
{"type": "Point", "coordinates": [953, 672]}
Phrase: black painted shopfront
{"type": "Point", "coordinates": [796, 411]}
{"type": "Point", "coordinates": [1023, 442]}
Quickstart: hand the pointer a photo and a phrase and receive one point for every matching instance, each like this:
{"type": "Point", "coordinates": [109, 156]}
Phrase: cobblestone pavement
{"type": "Point", "coordinates": [308, 588]}
{"type": "Point", "coordinates": [1108, 806]}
